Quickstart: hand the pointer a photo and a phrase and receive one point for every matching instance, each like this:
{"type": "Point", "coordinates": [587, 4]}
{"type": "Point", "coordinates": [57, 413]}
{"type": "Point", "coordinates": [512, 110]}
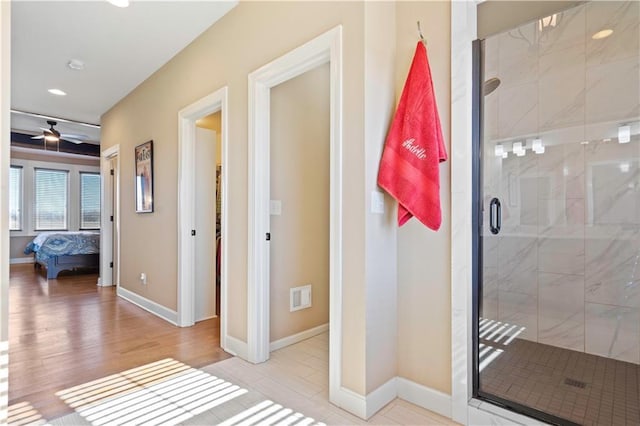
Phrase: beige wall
{"type": "Point", "coordinates": [214, 122]}
{"type": "Point", "coordinates": [381, 338]}
{"type": "Point", "coordinates": [299, 247]}
{"type": "Point", "coordinates": [250, 36]}
{"type": "Point", "coordinates": [16, 247]}
{"type": "Point", "coordinates": [424, 260]}
{"type": "Point", "coordinates": [381, 229]}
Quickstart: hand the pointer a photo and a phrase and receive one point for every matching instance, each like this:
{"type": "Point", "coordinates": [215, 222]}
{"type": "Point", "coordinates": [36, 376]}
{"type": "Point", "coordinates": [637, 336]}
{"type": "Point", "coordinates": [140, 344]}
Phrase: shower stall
{"type": "Point", "coordinates": [557, 185]}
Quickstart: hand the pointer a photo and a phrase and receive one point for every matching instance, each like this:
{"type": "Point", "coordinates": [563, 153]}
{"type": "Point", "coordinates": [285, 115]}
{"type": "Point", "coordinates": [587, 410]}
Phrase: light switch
{"type": "Point", "coordinates": [377, 202]}
{"type": "Point", "coordinates": [275, 207]}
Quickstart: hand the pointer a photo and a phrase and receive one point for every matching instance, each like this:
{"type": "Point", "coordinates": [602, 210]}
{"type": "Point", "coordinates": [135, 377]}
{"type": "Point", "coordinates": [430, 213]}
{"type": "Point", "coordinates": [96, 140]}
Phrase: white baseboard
{"type": "Point", "coordinates": [298, 337]}
{"type": "Point", "coordinates": [424, 397]}
{"type": "Point", "coordinates": [101, 284]}
{"type": "Point", "coordinates": [206, 318]}
{"type": "Point", "coordinates": [149, 305]}
{"type": "Point", "coordinates": [365, 407]}
{"type": "Point", "coordinates": [235, 347]}
{"type": "Point", "coordinates": [350, 401]}
{"type": "Point", "coordinates": [18, 260]}
{"type": "Point", "coordinates": [381, 397]}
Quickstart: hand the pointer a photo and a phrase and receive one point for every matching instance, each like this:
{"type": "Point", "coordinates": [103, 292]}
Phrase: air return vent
{"type": "Point", "coordinates": [300, 298]}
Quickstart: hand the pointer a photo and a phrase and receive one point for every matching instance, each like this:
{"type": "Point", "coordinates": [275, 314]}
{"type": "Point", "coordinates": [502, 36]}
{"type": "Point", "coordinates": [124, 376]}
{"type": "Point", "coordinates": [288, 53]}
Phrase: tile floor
{"type": "Point", "coordinates": [583, 388]}
{"type": "Point", "coordinates": [292, 387]}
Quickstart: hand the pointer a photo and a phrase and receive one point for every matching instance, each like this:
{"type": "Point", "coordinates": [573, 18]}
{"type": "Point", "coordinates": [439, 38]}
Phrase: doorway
{"type": "Point", "coordinates": [299, 208]}
{"type": "Point", "coordinates": [194, 141]}
{"type": "Point", "coordinates": [326, 48]}
{"type": "Point", "coordinates": [110, 212]}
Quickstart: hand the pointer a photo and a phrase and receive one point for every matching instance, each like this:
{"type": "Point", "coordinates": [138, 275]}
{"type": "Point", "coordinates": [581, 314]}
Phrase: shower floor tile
{"type": "Point", "coordinates": [583, 388]}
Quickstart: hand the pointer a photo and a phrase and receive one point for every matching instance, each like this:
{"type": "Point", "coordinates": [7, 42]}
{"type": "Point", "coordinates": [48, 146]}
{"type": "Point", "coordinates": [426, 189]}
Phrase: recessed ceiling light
{"type": "Point", "coordinates": [76, 64]}
{"type": "Point", "coordinates": [602, 34]}
{"type": "Point", "coordinates": [119, 3]}
{"type": "Point", "coordinates": [57, 92]}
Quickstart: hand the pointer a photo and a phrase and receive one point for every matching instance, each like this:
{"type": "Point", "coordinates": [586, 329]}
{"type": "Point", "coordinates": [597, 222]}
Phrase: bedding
{"type": "Point", "coordinates": [59, 251]}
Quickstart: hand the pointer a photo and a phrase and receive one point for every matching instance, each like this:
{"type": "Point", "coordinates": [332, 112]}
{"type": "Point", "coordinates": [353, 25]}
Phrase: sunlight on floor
{"type": "Point", "coordinates": [167, 392]}
{"type": "Point", "coordinates": [269, 413]}
{"type": "Point", "coordinates": [292, 388]}
{"type": "Point", "coordinates": [164, 392]}
{"type": "Point", "coordinates": [495, 331]}
{"type": "Point", "coordinates": [23, 413]}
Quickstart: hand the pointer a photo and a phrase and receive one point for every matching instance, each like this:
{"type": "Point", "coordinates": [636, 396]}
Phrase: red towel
{"type": "Point", "coordinates": [409, 168]}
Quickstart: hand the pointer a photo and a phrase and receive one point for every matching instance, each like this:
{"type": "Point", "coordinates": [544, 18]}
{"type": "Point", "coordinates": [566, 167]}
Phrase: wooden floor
{"type": "Point", "coordinates": [68, 331]}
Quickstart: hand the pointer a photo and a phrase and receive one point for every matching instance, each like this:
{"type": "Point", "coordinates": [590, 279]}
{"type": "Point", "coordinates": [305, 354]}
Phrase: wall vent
{"type": "Point", "coordinates": [300, 298]}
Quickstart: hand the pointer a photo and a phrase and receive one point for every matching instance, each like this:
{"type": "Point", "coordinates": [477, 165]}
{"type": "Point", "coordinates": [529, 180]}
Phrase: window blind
{"type": "Point", "coordinates": [15, 198]}
{"type": "Point", "coordinates": [51, 199]}
{"type": "Point", "coordinates": [89, 201]}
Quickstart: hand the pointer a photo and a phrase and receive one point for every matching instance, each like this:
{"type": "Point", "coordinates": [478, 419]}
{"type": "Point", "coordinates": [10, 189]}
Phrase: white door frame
{"type": "Point", "coordinates": [327, 48]}
{"type": "Point", "coordinates": [216, 101]}
{"type": "Point", "coordinates": [107, 206]}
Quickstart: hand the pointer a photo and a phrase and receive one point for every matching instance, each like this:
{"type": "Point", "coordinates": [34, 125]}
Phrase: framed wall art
{"type": "Point", "coordinates": [144, 177]}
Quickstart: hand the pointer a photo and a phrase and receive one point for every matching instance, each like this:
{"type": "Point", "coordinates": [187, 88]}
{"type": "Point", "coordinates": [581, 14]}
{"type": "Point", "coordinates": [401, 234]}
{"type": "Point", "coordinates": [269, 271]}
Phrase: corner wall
{"type": "Point", "coordinates": [424, 256]}
{"type": "Point", "coordinates": [5, 102]}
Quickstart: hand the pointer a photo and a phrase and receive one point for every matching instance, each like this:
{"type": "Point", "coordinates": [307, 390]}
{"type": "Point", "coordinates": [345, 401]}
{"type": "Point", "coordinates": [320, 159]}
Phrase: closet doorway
{"type": "Point", "coordinates": [208, 167]}
{"type": "Point", "coordinates": [202, 212]}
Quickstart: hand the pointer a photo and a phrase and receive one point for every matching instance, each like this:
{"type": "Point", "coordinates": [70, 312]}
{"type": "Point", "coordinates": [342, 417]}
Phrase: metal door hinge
{"type": "Point", "coordinates": [268, 236]}
{"type": "Point", "coordinates": [110, 264]}
{"type": "Point", "coordinates": [193, 232]}
{"type": "Point", "coordinates": [111, 172]}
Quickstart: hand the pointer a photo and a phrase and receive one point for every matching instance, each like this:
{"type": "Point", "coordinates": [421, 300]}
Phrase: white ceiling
{"type": "Point", "coordinates": [121, 47]}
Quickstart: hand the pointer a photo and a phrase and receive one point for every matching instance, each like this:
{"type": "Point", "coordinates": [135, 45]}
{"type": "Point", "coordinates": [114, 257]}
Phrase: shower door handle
{"type": "Point", "coordinates": [495, 216]}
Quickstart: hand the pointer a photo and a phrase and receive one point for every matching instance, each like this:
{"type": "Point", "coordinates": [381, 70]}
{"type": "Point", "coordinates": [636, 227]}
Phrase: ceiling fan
{"type": "Point", "coordinates": [52, 135]}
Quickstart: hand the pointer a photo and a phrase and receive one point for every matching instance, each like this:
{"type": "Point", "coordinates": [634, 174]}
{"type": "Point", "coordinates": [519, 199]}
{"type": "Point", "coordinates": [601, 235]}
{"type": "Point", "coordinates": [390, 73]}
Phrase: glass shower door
{"type": "Point", "coordinates": [558, 302]}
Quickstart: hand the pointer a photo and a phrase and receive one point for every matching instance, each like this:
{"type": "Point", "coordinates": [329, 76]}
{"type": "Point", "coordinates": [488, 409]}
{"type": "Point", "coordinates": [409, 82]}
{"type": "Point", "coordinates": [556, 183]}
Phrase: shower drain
{"type": "Point", "coordinates": [575, 383]}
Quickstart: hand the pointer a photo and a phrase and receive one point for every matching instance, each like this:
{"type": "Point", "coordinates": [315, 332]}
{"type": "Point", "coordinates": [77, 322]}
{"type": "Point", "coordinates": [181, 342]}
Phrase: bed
{"type": "Point", "coordinates": [65, 251]}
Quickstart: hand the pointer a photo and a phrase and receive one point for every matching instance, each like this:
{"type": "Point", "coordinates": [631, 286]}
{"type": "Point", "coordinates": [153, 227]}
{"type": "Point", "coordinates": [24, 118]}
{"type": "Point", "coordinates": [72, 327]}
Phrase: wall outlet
{"type": "Point", "coordinates": [143, 278]}
{"type": "Point", "coordinates": [300, 298]}
{"type": "Point", "coordinates": [377, 202]}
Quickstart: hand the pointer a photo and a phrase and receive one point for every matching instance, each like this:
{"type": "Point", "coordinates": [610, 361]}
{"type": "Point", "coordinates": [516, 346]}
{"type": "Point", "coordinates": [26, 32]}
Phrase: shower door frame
{"type": "Point", "coordinates": [477, 201]}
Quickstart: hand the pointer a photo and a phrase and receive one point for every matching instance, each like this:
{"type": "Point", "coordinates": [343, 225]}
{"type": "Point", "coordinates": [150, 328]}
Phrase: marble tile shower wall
{"type": "Point", "coordinates": [565, 267]}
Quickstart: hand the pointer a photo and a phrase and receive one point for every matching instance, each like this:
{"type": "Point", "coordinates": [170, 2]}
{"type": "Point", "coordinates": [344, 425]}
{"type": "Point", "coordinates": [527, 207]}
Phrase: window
{"type": "Point", "coordinates": [15, 198]}
{"type": "Point", "coordinates": [51, 199]}
{"type": "Point", "coordinates": [89, 200]}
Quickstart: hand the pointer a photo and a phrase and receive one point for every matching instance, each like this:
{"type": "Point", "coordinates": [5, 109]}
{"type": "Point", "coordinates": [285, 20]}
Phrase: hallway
{"type": "Point", "coordinates": [68, 331]}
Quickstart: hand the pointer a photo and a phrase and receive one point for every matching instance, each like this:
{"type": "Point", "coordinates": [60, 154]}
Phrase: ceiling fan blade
{"type": "Point", "coordinates": [72, 140]}
{"type": "Point", "coordinates": [79, 137]}
{"type": "Point", "coordinates": [37, 137]}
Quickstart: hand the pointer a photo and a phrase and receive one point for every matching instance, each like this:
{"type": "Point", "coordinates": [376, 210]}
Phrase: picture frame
{"type": "Point", "coordinates": [144, 177]}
